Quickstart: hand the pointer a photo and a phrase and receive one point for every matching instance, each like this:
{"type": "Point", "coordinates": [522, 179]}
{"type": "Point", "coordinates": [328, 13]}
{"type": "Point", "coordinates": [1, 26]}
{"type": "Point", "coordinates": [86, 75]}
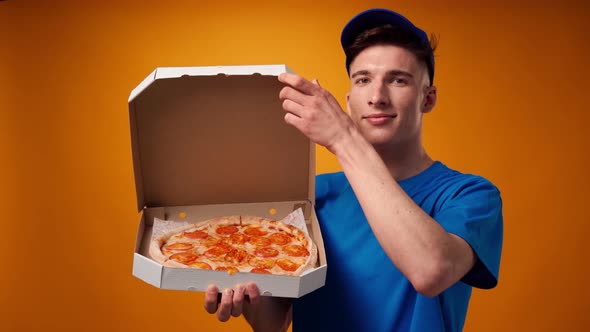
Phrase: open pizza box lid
{"type": "Point", "coordinates": [212, 141]}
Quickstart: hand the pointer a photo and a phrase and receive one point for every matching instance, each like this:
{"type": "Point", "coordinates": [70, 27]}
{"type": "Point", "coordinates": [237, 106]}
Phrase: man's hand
{"type": "Point", "coordinates": [314, 111]}
{"type": "Point", "coordinates": [263, 313]}
{"type": "Point", "coordinates": [232, 300]}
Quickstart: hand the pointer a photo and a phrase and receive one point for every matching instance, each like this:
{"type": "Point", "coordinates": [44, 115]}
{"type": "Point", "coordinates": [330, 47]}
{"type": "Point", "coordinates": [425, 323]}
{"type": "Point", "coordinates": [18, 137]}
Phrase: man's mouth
{"type": "Point", "coordinates": [377, 119]}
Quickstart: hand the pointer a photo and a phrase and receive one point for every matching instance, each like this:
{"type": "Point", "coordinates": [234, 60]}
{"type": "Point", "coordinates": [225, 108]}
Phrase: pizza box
{"type": "Point", "coordinates": [211, 141]}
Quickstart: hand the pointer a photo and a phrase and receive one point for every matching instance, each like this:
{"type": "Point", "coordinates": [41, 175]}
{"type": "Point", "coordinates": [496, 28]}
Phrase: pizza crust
{"type": "Point", "coordinates": [242, 222]}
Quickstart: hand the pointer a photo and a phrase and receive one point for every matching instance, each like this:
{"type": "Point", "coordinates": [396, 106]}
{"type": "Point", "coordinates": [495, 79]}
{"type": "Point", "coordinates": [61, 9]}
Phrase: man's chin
{"type": "Point", "coordinates": [378, 138]}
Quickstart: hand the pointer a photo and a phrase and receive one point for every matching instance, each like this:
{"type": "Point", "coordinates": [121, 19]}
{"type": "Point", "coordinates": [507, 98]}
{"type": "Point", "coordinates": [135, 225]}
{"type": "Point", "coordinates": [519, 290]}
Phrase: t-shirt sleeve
{"type": "Point", "coordinates": [328, 186]}
{"type": "Point", "coordinates": [474, 213]}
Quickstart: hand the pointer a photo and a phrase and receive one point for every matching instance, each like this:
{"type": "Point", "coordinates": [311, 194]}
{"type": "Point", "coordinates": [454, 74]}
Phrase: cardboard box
{"type": "Point", "coordinates": [211, 141]}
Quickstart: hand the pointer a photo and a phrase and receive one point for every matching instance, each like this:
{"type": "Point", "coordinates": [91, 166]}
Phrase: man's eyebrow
{"type": "Point", "coordinates": [394, 72]}
{"type": "Point", "coordinates": [399, 73]}
{"type": "Point", "coordinates": [360, 72]}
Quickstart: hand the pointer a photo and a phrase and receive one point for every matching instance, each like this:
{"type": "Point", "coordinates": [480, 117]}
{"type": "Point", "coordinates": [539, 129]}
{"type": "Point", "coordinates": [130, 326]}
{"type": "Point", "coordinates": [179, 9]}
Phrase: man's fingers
{"type": "Point", "coordinates": [224, 312]}
{"type": "Point", "coordinates": [211, 299]}
{"type": "Point", "coordinates": [289, 93]}
{"type": "Point", "coordinates": [299, 83]}
{"type": "Point", "coordinates": [292, 107]}
{"type": "Point", "coordinates": [238, 300]}
{"type": "Point", "coordinates": [296, 122]}
{"type": "Point", "coordinates": [252, 289]}
{"type": "Point", "coordinates": [232, 300]}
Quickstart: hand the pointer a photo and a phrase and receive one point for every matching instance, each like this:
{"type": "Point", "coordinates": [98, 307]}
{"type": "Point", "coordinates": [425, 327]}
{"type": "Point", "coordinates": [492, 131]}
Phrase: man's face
{"type": "Point", "coordinates": [389, 92]}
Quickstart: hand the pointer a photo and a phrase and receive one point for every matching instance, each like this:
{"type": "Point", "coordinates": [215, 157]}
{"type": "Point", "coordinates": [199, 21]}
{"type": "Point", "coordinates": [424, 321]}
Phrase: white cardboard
{"type": "Point", "coordinates": [171, 72]}
{"type": "Point", "coordinates": [155, 274]}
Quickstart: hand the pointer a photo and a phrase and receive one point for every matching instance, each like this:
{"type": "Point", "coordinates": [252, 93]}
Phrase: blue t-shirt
{"type": "Point", "coordinates": [365, 291]}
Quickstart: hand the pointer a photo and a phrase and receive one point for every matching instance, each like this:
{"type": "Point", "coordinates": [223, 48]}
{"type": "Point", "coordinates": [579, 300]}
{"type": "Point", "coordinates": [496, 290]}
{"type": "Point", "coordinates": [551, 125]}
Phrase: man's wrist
{"type": "Point", "coordinates": [351, 141]}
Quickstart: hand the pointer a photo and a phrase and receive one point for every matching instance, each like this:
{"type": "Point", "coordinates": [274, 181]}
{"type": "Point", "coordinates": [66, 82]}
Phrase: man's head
{"type": "Point", "coordinates": [391, 67]}
{"type": "Point", "coordinates": [385, 27]}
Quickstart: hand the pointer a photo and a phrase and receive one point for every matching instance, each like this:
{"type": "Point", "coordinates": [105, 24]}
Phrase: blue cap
{"type": "Point", "coordinates": [376, 17]}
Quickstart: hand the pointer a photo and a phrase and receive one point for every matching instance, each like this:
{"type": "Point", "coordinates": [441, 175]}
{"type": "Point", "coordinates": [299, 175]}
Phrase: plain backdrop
{"type": "Point", "coordinates": [512, 81]}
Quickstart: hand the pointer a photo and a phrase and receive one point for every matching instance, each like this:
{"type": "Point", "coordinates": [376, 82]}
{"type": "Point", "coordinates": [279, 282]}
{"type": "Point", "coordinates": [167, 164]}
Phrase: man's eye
{"type": "Point", "coordinates": [397, 81]}
{"type": "Point", "coordinates": [362, 80]}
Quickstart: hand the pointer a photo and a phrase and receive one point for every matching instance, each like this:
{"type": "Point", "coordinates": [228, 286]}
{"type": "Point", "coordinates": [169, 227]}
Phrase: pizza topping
{"type": "Point", "coordinates": [259, 270]}
{"type": "Point", "coordinates": [238, 238]}
{"type": "Point", "coordinates": [196, 234]}
{"type": "Point", "coordinates": [226, 230]}
{"type": "Point", "coordinates": [184, 257]}
{"type": "Point", "coordinates": [260, 241]}
{"type": "Point", "coordinates": [217, 251]}
{"type": "Point", "coordinates": [255, 231]}
{"type": "Point", "coordinates": [223, 244]}
{"type": "Point", "coordinates": [178, 246]}
{"type": "Point", "coordinates": [265, 263]}
{"type": "Point", "coordinates": [210, 240]}
{"type": "Point", "coordinates": [230, 269]}
{"type": "Point", "coordinates": [287, 264]}
{"type": "Point", "coordinates": [236, 256]}
{"type": "Point", "coordinates": [280, 238]}
{"type": "Point", "coordinates": [266, 252]}
{"type": "Point", "coordinates": [295, 250]}
{"type": "Point", "coordinates": [200, 265]}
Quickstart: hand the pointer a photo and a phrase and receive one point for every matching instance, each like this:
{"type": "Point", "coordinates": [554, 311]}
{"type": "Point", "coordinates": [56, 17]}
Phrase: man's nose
{"type": "Point", "coordinates": [379, 96]}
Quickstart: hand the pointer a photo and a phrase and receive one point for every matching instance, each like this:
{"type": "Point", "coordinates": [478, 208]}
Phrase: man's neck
{"type": "Point", "coordinates": [405, 162]}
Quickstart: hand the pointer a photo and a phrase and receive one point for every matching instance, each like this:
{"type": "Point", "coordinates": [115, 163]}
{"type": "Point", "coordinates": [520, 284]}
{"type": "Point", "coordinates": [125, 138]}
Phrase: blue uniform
{"type": "Point", "coordinates": [365, 291]}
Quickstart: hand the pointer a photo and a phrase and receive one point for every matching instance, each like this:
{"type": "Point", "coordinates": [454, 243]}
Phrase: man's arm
{"type": "Point", "coordinates": [263, 313]}
{"type": "Point", "coordinates": [431, 258]}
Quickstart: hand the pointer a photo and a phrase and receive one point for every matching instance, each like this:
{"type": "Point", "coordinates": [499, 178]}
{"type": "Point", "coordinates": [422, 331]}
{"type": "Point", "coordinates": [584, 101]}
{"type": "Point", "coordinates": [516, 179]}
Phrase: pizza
{"type": "Point", "coordinates": [237, 244]}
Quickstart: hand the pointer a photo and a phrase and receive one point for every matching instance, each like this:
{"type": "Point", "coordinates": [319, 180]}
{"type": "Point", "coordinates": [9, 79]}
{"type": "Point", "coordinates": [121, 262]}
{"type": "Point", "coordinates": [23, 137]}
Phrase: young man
{"type": "Point", "coordinates": [406, 237]}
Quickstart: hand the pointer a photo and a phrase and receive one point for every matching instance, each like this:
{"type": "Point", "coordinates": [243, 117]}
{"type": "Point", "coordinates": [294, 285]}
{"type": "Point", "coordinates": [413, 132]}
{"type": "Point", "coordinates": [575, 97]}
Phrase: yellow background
{"type": "Point", "coordinates": [513, 89]}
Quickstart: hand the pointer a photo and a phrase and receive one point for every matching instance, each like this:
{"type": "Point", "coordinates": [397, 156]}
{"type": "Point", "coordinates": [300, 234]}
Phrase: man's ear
{"type": "Point", "coordinates": [347, 104]}
{"type": "Point", "coordinates": [429, 99]}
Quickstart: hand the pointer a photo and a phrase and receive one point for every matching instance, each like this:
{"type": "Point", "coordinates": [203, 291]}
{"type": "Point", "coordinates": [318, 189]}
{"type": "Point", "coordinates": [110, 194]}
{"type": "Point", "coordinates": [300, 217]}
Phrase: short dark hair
{"type": "Point", "coordinates": [396, 36]}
